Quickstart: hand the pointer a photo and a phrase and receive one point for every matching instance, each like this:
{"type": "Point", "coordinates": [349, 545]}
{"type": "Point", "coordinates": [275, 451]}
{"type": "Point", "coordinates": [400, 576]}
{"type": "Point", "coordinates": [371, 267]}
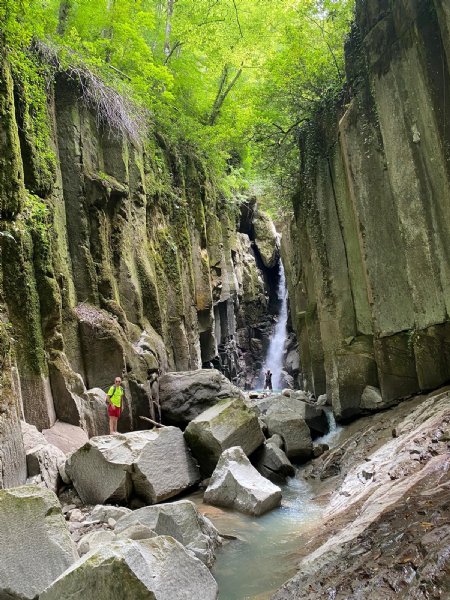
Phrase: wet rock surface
{"type": "Point", "coordinates": [386, 528]}
{"type": "Point", "coordinates": [236, 484]}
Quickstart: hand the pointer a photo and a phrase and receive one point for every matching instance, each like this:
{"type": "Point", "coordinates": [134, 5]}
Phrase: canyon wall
{"type": "Point", "coordinates": [117, 257]}
{"type": "Point", "coordinates": [368, 250]}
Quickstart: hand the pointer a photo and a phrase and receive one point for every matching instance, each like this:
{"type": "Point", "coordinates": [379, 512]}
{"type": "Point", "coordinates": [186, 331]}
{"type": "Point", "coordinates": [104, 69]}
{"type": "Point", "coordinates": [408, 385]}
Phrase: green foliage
{"type": "Point", "coordinates": [227, 81]}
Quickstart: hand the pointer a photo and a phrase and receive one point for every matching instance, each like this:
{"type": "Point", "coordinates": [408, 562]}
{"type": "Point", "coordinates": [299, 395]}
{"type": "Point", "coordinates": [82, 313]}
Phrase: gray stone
{"type": "Point", "coordinates": [101, 513]}
{"type": "Point", "coordinates": [46, 460]}
{"type": "Point", "coordinates": [371, 398]}
{"type": "Point", "coordinates": [322, 400]}
{"type": "Point", "coordinates": [155, 464]}
{"type": "Point", "coordinates": [266, 239]}
{"type": "Point", "coordinates": [273, 463]}
{"type": "Point", "coordinates": [287, 420]}
{"type": "Point", "coordinates": [182, 521]}
{"type": "Point", "coordinates": [228, 423]}
{"type": "Point", "coordinates": [236, 484]}
{"type": "Point", "coordinates": [35, 542]}
{"type": "Point", "coordinates": [185, 395]}
{"type": "Point", "coordinates": [136, 532]}
{"type": "Point", "coordinates": [43, 458]}
{"type": "Point", "coordinates": [164, 467]}
{"type": "Point", "coordinates": [156, 569]}
{"type": "Point", "coordinates": [66, 437]}
{"type": "Point", "coordinates": [93, 540]}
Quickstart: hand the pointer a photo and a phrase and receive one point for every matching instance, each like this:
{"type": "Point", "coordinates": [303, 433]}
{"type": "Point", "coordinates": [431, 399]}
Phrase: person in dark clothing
{"type": "Point", "coordinates": [268, 380]}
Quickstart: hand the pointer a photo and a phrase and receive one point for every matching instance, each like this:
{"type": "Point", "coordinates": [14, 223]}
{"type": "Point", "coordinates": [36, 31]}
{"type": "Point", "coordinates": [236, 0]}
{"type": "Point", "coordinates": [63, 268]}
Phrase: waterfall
{"type": "Point", "coordinates": [274, 359]}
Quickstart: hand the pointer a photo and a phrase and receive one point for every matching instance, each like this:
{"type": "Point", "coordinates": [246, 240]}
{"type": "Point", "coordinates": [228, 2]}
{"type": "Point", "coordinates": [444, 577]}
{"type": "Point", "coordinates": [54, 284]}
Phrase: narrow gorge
{"type": "Point", "coordinates": [123, 253]}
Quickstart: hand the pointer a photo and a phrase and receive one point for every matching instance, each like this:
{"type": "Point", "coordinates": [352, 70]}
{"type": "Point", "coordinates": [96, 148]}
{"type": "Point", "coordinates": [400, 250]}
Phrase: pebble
{"type": "Point", "coordinates": [112, 523]}
{"type": "Point", "coordinates": [76, 515]}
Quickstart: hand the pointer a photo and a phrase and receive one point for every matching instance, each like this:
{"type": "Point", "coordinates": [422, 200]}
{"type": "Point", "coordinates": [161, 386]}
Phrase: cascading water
{"type": "Point", "coordinates": [274, 359]}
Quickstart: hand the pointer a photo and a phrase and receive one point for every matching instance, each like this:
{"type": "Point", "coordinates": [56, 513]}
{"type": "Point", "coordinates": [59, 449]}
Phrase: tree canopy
{"type": "Point", "coordinates": [231, 79]}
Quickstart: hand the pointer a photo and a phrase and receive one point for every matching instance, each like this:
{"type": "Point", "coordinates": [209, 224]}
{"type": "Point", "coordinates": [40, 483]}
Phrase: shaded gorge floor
{"type": "Point", "coordinates": [268, 548]}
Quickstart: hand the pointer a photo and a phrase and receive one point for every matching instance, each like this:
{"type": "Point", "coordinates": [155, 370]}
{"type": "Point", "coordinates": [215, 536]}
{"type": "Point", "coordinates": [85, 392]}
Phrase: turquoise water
{"type": "Point", "coordinates": [267, 551]}
{"type": "Point", "coordinates": [266, 554]}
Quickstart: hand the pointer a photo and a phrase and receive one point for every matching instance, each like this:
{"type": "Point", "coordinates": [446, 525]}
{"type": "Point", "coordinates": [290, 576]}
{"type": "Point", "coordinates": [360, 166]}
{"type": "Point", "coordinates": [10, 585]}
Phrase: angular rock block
{"type": "Point", "coordinates": [155, 465]}
{"type": "Point", "coordinates": [185, 395]}
{"type": "Point", "coordinates": [155, 569]}
{"type": "Point", "coordinates": [182, 521]}
{"type": "Point", "coordinates": [236, 484]}
{"type": "Point", "coordinates": [287, 419]}
{"type": "Point", "coordinates": [43, 458]}
{"type": "Point", "coordinates": [101, 513]}
{"type": "Point", "coordinates": [228, 423]}
{"type": "Point", "coordinates": [314, 416]}
{"type": "Point", "coordinates": [273, 463]}
{"type": "Point", "coordinates": [36, 546]}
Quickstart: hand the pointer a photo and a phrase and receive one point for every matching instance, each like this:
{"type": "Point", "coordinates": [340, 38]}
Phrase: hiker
{"type": "Point", "coordinates": [155, 408]}
{"type": "Point", "coordinates": [114, 400]}
{"type": "Point", "coordinates": [268, 380]}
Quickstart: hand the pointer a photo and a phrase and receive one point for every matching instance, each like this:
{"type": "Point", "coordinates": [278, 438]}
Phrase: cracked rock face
{"type": "Point", "coordinates": [35, 542]}
{"type": "Point", "coordinates": [155, 465]}
{"type": "Point", "coordinates": [180, 520]}
{"type": "Point", "coordinates": [156, 569]}
{"type": "Point", "coordinates": [386, 532]}
{"type": "Point", "coordinates": [236, 484]}
{"type": "Point", "coordinates": [228, 423]}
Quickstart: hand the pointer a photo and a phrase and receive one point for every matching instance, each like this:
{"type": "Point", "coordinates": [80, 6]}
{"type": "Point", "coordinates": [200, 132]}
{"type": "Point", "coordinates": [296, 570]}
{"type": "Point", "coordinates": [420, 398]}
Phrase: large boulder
{"type": "Point", "coordinates": [272, 462]}
{"type": "Point", "coordinates": [286, 417]}
{"type": "Point", "coordinates": [185, 395]}
{"type": "Point", "coordinates": [43, 459]}
{"type": "Point", "coordinates": [155, 465]}
{"type": "Point", "coordinates": [66, 437]}
{"type": "Point", "coordinates": [35, 542]}
{"type": "Point", "coordinates": [155, 569]}
{"type": "Point", "coordinates": [228, 423]}
{"type": "Point", "coordinates": [236, 484]}
{"type": "Point", "coordinates": [314, 416]}
{"type": "Point", "coordinates": [182, 521]}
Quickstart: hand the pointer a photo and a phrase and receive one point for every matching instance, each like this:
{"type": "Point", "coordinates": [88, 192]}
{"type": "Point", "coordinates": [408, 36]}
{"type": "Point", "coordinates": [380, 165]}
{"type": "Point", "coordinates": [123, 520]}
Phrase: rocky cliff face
{"type": "Point", "coordinates": [369, 246]}
{"type": "Point", "coordinates": [116, 258]}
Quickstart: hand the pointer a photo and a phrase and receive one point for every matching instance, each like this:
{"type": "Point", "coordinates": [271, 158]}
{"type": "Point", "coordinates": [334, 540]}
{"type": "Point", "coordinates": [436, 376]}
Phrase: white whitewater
{"type": "Point", "coordinates": [275, 353]}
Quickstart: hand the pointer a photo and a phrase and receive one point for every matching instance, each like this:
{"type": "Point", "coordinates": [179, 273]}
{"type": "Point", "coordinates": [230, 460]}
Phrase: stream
{"type": "Point", "coordinates": [266, 552]}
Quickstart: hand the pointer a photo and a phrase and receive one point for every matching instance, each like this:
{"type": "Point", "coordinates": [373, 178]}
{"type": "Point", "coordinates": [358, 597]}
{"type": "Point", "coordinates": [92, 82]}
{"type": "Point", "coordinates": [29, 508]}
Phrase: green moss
{"type": "Point", "coordinates": [22, 298]}
{"type": "Point", "coordinates": [30, 87]}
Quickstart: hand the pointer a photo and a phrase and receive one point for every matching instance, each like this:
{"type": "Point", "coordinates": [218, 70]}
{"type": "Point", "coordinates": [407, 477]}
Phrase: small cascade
{"type": "Point", "coordinates": [274, 359]}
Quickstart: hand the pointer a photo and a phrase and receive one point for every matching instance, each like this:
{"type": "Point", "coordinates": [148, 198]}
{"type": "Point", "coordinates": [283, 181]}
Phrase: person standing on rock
{"type": "Point", "coordinates": [114, 401]}
{"type": "Point", "coordinates": [268, 381]}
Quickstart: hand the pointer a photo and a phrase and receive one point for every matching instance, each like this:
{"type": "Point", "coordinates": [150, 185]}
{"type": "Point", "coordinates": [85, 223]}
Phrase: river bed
{"type": "Point", "coordinates": [267, 550]}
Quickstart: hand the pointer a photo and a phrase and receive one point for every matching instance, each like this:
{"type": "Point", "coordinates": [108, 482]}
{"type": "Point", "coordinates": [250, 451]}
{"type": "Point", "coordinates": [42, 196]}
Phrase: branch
{"type": "Point", "coordinates": [175, 47]}
{"type": "Point", "coordinates": [326, 42]}
{"type": "Point", "coordinates": [222, 95]}
{"type": "Point", "coordinates": [237, 18]}
{"type": "Point", "coordinates": [152, 422]}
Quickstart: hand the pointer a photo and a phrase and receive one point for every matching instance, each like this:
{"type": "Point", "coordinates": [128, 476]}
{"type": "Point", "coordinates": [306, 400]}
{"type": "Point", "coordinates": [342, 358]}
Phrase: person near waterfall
{"type": "Point", "coordinates": [114, 399]}
{"type": "Point", "coordinates": [268, 380]}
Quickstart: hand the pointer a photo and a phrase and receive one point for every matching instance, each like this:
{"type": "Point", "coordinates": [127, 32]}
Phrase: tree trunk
{"type": "Point", "coordinates": [224, 89]}
{"type": "Point", "coordinates": [64, 9]}
{"type": "Point", "coordinates": [168, 31]}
